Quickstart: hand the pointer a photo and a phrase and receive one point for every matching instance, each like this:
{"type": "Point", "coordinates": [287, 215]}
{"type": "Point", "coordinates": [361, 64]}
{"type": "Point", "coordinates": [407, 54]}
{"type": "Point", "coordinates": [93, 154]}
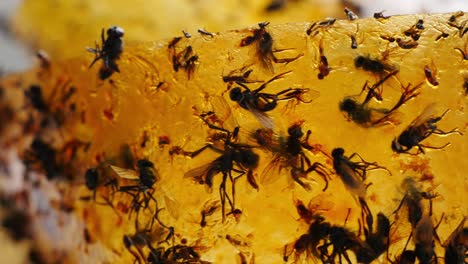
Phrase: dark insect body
{"type": "Point", "coordinates": [353, 174]}
{"type": "Point", "coordinates": [380, 15]}
{"type": "Point", "coordinates": [431, 75]}
{"type": "Point", "coordinates": [421, 128]}
{"type": "Point", "coordinates": [234, 158]}
{"type": "Point", "coordinates": [366, 116]}
{"type": "Point", "coordinates": [185, 59]}
{"type": "Point", "coordinates": [456, 246]}
{"type": "Point", "coordinates": [373, 65]}
{"type": "Point", "coordinates": [258, 102]}
{"type": "Point", "coordinates": [145, 177]}
{"type": "Point", "coordinates": [290, 153]}
{"type": "Point", "coordinates": [264, 47]}
{"type": "Point", "coordinates": [112, 47]}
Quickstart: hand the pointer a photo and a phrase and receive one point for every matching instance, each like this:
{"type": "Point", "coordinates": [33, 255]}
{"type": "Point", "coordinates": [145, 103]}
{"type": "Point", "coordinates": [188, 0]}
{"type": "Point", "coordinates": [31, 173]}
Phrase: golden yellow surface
{"type": "Point", "coordinates": [63, 28]}
{"type": "Point", "coordinates": [147, 95]}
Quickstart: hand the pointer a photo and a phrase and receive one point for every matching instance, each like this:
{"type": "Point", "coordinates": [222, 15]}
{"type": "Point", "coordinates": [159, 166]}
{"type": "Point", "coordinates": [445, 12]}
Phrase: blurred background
{"type": "Point", "coordinates": [51, 25]}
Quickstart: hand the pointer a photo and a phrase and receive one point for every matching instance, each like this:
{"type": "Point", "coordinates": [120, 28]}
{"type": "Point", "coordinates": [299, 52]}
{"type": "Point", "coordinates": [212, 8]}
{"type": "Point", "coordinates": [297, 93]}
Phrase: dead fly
{"type": "Point", "coordinates": [423, 237]}
{"type": "Point", "coordinates": [415, 30]}
{"type": "Point", "coordinates": [264, 47]}
{"type": "Point", "coordinates": [234, 157]}
{"type": "Point", "coordinates": [323, 67]}
{"type": "Point", "coordinates": [380, 15]}
{"type": "Point", "coordinates": [239, 76]}
{"type": "Point", "coordinates": [290, 153]}
{"type": "Point", "coordinates": [112, 47]}
{"type": "Point", "coordinates": [407, 44]}
{"type": "Point", "coordinates": [146, 237]}
{"type": "Point", "coordinates": [327, 242]}
{"type": "Point", "coordinates": [319, 26]}
{"type": "Point", "coordinates": [258, 102]}
{"type": "Point", "coordinates": [376, 242]}
{"type": "Point", "coordinates": [209, 209]}
{"type": "Point", "coordinates": [462, 26]}
{"type": "Point", "coordinates": [145, 177]}
{"type": "Point", "coordinates": [456, 246]}
{"type": "Point", "coordinates": [367, 116]}
{"type": "Point", "coordinates": [95, 179]}
{"type": "Point", "coordinates": [412, 200]}
{"type": "Point", "coordinates": [421, 128]}
{"type": "Point", "coordinates": [376, 66]}
{"type": "Point", "coordinates": [353, 174]}
{"type": "Point", "coordinates": [185, 59]}
{"type": "Point", "coordinates": [350, 14]}
{"type": "Point", "coordinates": [205, 33]}
{"type": "Point", "coordinates": [431, 75]}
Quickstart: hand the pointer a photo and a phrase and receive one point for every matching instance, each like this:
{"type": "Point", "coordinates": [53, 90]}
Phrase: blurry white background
{"type": "Point", "coordinates": [14, 56]}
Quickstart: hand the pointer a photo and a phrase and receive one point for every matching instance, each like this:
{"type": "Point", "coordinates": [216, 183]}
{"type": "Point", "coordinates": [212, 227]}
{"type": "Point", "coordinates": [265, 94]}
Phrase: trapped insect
{"type": "Point", "coordinates": [109, 51]}
{"type": "Point", "coordinates": [354, 173]}
{"type": "Point", "coordinates": [235, 158]}
{"type": "Point", "coordinates": [289, 152]}
{"type": "Point", "coordinates": [264, 47]}
{"type": "Point", "coordinates": [145, 177]}
{"type": "Point", "coordinates": [367, 116]}
{"type": "Point", "coordinates": [258, 102]}
{"type": "Point", "coordinates": [421, 128]}
{"type": "Point", "coordinates": [456, 245]}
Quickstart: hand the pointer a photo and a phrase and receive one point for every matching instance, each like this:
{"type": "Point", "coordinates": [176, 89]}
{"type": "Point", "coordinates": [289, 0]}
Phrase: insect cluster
{"type": "Point", "coordinates": [129, 184]}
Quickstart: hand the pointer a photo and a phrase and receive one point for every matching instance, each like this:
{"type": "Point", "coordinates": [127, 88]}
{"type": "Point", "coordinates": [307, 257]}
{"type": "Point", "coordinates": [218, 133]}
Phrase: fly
{"type": "Point", "coordinates": [367, 116]}
{"type": "Point", "coordinates": [235, 158]}
{"type": "Point", "coordinates": [258, 102]}
{"type": "Point", "coordinates": [264, 47]}
{"type": "Point", "coordinates": [354, 173]}
{"type": "Point", "coordinates": [110, 51]}
{"type": "Point", "coordinates": [290, 152]}
{"type": "Point", "coordinates": [421, 128]}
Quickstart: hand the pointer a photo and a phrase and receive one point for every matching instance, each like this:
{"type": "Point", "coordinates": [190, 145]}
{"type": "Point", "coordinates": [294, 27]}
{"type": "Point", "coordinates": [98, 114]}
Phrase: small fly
{"type": "Point", "coordinates": [185, 59]}
{"type": "Point", "coordinates": [258, 102]}
{"type": "Point", "coordinates": [112, 47]}
{"type": "Point", "coordinates": [145, 177]}
{"type": "Point", "coordinates": [421, 128]}
{"type": "Point", "coordinates": [239, 76]}
{"type": "Point", "coordinates": [377, 66]}
{"type": "Point", "coordinates": [354, 173]}
{"type": "Point", "coordinates": [234, 157]}
{"type": "Point", "coordinates": [264, 48]}
{"type": "Point", "coordinates": [366, 116]}
{"type": "Point", "coordinates": [290, 153]}
{"type": "Point", "coordinates": [431, 75]}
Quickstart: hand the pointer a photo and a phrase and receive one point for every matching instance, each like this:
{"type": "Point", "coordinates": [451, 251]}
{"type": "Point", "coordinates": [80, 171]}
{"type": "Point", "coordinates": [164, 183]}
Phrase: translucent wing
{"type": "Point", "coordinates": [262, 117]}
{"type": "Point", "coordinates": [125, 173]}
{"type": "Point", "coordinates": [352, 180]}
{"type": "Point", "coordinates": [172, 206]}
{"type": "Point", "coordinates": [198, 174]}
{"type": "Point", "coordinates": [424, 116]}
{"type": "Point", "coordinates": [271, 173]}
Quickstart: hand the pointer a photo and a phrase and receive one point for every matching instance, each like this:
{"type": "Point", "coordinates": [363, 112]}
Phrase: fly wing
{"type": "Point", "coordinates": [352, 180]}
{"type": "Point", "coordinates": [262, 117]}
{"type": "Point", "coordinates": [271, 173]}
{"type": "Point", "coordinates": [424, 116]}
{"type": "Point", "coordinates": [198, 174]}
{"type": "Point", "coordinates": [125, 173]}
{"type": "Point", "coordinates": [222, 109]}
